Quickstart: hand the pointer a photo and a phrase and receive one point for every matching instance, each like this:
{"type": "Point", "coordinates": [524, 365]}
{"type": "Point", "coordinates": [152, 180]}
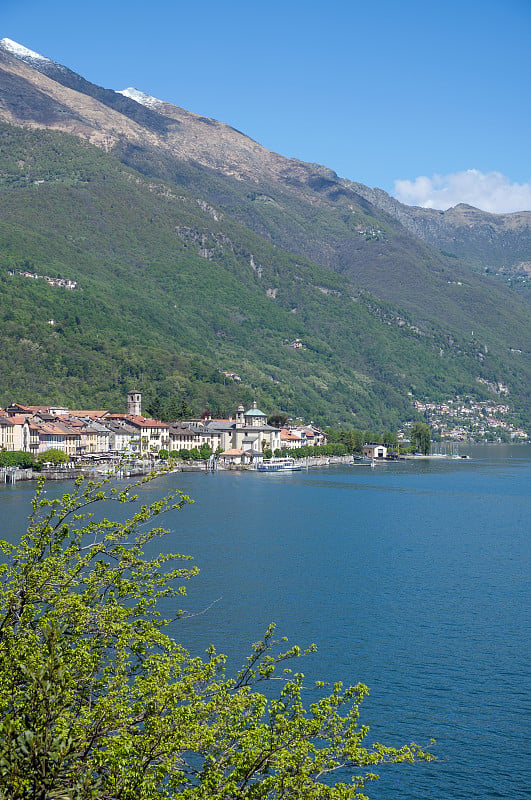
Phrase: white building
{"type": "Point", "coordinates": [375, 450]}
{"type": "Point", "coordinates": [246, 436]}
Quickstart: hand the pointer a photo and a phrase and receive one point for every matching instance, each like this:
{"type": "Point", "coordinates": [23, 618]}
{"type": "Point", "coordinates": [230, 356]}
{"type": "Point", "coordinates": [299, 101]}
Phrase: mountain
{"type": "Point", "coordinates": [499, 244]}
{"type": "Point", "coordinates": [197, 250]}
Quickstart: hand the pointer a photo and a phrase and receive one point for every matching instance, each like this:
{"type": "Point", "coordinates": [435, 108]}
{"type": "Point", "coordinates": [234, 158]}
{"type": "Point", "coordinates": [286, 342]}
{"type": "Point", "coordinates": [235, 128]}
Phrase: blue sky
{"type": "Point", "coordinates": [429, 101]}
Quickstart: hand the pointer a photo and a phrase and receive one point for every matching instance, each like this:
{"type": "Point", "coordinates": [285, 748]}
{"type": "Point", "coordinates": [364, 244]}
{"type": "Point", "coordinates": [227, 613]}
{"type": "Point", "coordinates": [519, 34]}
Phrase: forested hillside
{"type": "Point", "coordinates": [197, 252]}
{"type": "Point", "coordinates": [171, 291]}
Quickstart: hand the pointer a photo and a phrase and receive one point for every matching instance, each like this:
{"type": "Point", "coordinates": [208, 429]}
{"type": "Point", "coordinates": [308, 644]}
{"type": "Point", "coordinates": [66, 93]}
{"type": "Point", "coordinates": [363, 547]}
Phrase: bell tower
{"type": "Point", "coordinates": [134, 403]}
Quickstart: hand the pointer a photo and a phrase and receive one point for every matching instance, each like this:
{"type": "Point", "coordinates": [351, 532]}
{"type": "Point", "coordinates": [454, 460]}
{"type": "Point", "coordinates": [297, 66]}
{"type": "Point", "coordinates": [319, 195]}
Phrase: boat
{"type": "Point", "coordinates": [279, 465]}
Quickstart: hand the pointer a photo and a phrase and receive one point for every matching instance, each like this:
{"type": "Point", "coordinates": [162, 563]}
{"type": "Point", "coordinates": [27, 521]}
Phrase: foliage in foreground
{"type": "Point", "coordinates": [98, 702]}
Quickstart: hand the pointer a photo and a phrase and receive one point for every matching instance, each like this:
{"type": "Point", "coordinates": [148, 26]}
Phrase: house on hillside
{"type": "Point", "coordinates": [290, 439]}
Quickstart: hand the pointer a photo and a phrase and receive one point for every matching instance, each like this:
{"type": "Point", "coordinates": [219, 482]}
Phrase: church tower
{"type": "Point", "coordinates": [134, 403]}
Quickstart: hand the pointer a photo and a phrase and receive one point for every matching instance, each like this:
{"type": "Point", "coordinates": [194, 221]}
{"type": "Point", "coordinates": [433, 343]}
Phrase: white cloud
{"type": "Point", "coordinates": [489, 191]}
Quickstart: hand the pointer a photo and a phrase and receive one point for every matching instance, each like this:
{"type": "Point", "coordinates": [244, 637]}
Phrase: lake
{"type": "Point", "coordinates": [412, 577]}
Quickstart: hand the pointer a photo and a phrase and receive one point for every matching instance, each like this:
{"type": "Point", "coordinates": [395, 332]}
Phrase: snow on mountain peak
{"type": "Point", "coordinates": [141, 97]}
{"type": "Point", "coordinates": [21, 52]}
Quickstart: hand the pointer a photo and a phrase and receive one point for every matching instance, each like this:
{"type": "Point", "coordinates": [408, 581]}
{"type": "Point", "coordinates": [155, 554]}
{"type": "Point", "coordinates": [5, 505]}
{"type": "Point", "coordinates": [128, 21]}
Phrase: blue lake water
{"type": "Point", "coordinates": [412, 578]}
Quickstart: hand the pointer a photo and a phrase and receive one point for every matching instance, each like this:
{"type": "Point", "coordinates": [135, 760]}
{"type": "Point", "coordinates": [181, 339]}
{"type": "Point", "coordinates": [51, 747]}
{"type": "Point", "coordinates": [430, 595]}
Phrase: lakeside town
{"type": "Point", "coordinates": [91, 433]}
{"type": "Point", "coordinates": [52, 435]}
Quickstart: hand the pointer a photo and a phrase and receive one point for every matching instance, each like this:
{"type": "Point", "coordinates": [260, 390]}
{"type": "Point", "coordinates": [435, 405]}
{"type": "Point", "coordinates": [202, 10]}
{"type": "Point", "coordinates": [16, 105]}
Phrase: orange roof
{"type": "Point", "coordinates": [144, 422]}
{"type": "Point", "coordinates": [140, 422]}
{"type": "Point", "coordinates": [285, 434]}
{"type": "Point", "coordinates": [76, 424]}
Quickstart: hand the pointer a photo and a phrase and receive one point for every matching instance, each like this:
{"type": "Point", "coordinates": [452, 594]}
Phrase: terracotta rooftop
{"type": "Point", "coordinates": [289, 435]}
{"type": "Point", "coordinates": [18, 419]}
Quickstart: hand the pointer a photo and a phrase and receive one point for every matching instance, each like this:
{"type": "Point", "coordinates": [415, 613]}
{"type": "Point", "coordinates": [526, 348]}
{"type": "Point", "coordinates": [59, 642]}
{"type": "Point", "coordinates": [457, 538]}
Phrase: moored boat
{"type": "Point", "coordinates": [279, 465]}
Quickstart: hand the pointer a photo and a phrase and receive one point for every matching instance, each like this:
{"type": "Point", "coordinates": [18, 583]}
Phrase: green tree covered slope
{"type": "Point", "coordinates": [171, 290]}
{"type": "Point", "coordinates": [196, 250]}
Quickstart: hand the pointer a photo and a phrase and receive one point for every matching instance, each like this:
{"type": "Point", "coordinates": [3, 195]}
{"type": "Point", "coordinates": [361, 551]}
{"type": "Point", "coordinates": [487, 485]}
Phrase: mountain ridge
{"type": "Point", "coordinates": [294, 207]}
{"type": "Point", "coordinates": [483, 239]}
{"type": "Point", "coordinates": [220, 147]}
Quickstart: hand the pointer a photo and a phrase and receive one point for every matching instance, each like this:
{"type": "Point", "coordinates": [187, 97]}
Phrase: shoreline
{"type": "Point", "coordinates": [12, 475]}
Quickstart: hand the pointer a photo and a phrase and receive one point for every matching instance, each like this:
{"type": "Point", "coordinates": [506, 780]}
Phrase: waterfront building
{"type": "Point", "coordinates": [123, 438]}
{"type": "Point", "coordinates": [373, 450]}
{"type": "Point", "coordinates": [153, 434]}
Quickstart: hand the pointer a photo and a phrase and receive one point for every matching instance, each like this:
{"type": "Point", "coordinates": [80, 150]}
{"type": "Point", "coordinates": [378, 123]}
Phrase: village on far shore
{"type": "Point", "coordinates": [81, 433]}
{"type": "Point", "coordinates": [50, 434]}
